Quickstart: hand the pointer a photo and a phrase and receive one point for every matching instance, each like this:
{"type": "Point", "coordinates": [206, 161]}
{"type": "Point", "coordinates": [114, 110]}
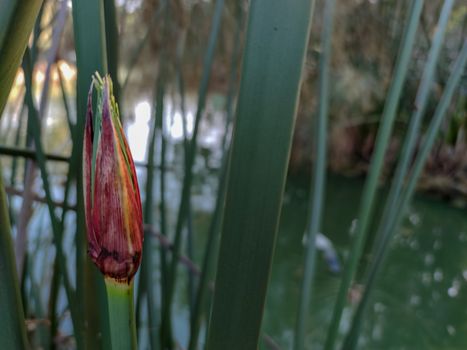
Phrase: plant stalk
{"type": "Point", "coordinates": [121, 314]}
{"type": "Point", "coordinates": [392, 205]}
{"type": "Point", "coordinates": [319, 177]}
{"type": "Point", "coordinates": [369, 192]}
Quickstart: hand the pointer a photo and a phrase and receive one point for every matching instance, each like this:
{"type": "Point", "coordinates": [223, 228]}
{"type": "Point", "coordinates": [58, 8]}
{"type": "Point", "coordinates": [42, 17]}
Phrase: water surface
{"type": "Point", "coordinates": [420, 297]}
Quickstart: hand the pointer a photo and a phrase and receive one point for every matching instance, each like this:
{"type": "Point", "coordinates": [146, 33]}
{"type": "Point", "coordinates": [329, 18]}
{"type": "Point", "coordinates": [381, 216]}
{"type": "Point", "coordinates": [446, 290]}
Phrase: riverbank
{"type": "Point", "coordinates": [350, 151]}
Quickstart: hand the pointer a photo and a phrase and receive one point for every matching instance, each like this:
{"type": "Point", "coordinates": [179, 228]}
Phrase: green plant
{"type": "Point", "coordinates": [16, 23]}
{"type": "Point", "coordinates": [263, 128]}
{"type": "Point", "coordinates": [247, 182]}
{"type": "Point", "coordinates": [369, 192]}
{"type": "Point", "coordinates": [114, 218]}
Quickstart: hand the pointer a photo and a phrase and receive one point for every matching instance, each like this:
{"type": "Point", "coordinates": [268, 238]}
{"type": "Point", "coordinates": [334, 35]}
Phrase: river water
{"type": "Point", "coordinates": [421, 293]}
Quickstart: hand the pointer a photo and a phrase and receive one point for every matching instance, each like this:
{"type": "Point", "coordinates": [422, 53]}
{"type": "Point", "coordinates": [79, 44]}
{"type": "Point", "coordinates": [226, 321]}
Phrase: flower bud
{"type": "Point", "coordinates": [111, 195]}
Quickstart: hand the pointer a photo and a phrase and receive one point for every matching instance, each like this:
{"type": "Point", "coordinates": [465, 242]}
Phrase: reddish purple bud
{"type": "Point", "coordinates": [114, 219]}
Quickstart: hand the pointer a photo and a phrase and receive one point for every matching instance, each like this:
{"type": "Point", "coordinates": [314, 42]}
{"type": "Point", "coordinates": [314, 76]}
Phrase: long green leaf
{"type": "Point", "coordinates": [26, 205]}
{"type": "Point", "coordinates": [6, 15]}
{"type": "Point", "coordinates": [34, 129]}
{"type": "Point", "coordinates": [12, 326]}
{"type": "Point", "coordinates": [259, 156]}
{"type": "Point", "coordinates": [147, 261]}
{"type": "Point", "coordinates": [184, 207]}
{"type": "Point", "coordinates": [91, 56]}
{"type": "Point", "coordinates": [369, 192]}
{"type": "Point", "coordinates": [432, 132]}
{"type": "Point", "coordinates": [112, 45]}
{"type": "Point", "coordinates": [147, 275]}
{"type": "Point", "coordinates": [318, 185]}
{"type": "Point", "coordinates": [16, 22]}
{"type": "Point", "coordinates": [216, 220]}
{"type": "Point", "coordinates": [392, 205]}
{"type": "Point", "coordinates": [15, 27]}
{"type": "Point", "coordinates": [421, 102]}
{"type": "Point", "coordinates": [403, 202]}
{"type": "Point", "coordinates": [14, 165]}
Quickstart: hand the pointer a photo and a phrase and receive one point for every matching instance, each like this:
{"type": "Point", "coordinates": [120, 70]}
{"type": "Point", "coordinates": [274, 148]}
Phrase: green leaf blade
{"type": "Point", "coordinates": [260, 150]}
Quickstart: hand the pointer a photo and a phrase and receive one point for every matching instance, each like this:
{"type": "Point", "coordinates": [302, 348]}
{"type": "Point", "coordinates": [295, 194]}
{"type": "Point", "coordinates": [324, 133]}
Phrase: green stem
{"type": "Point", "coordinates": [216, 220]}
{"type": "Point", "coordinates": [184, 206]}
{"type": "Point", "coordinates": [121, 315]}
{"type": "Point", "coordinates": [392, 205]}
{"type": "Point", "coordinates": [369, 193]}
{"type": "Point", "coordinates": [12, 326]}
{"type": "Point", "coordinates": [406, 196]}
{"type": "Point", "coordinates": [265, 115]}
{"type": "Point", "coordinates": [15, 25]}
{"type": "Point", "coordinates": [91, 56]}
{"type": "Point", "coordinates": [318, 179]}
{"type": "Point", "coordinates": [112, 45]}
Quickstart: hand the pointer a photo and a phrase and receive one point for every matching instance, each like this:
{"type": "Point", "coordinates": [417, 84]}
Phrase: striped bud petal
{"type": "Point", "coordinates": [113, 204]}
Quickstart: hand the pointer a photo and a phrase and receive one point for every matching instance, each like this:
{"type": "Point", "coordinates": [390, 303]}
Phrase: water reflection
{"type": "Point", "coordinates": [419, 301]}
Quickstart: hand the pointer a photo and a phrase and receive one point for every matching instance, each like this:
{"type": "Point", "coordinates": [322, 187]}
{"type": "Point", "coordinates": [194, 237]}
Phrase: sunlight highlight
{"type": "Point", "coordinates": [138, 131]}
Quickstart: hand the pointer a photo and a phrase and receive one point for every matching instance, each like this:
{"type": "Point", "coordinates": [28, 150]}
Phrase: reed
{"type": "Point", "coordinates": [405, 198]}
{"type": "Point", "coordinates": [369, 191]}
{"type": "Point", "coordinates": [241, 234]}
{"type": "Point", "coordinates": [184, 207]}
{"type": "Point", "coordinates": [12, 325]}
{"type": "Point", "coordinates": [263, 128]}
{"type": "Point", "coordinates": [16, 23]}
{"type": "Point", "coordinates": [17, 20]}
{"type": "Point", "coordinates": [392, 207]}
{"type": "Point", "coordinates": [91, 57]}
{"type": "Point", "coordinates": [147, 280]}
{"type": "Point", "coordinates": [318, 182]}
{"type": "Point", "coordinates": [217, 215]}
{"type": "Point", "coordinates": [34, 127]}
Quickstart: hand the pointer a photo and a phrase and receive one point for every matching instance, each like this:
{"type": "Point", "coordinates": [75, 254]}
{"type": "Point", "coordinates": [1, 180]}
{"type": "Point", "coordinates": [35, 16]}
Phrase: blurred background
{"type": "Point", "coordinates": [158, 59]}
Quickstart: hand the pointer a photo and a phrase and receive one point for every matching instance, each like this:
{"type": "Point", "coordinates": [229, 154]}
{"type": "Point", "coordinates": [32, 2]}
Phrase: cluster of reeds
{"type": "Point", "coordinates": [242, 232]}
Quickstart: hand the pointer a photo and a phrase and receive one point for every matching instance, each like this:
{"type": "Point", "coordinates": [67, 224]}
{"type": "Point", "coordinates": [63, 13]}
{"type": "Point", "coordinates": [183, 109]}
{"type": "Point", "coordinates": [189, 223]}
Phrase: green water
{"type": "Point", "coordinates": [420, 301]}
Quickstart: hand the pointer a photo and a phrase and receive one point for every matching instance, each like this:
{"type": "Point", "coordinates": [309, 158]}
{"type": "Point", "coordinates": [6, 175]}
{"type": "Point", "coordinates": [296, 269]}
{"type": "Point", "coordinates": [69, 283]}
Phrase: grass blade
{"type": "Point", "coordinates": [403, 202]}
{"type": "Point", "coordinates": [453, 82]}
{"type": "Point", "coordinates": [66, 105]}
{"type": "Point", "coordinates": [184, 207]}
{"type": "Point", "coordinates": [318, 185]}
{"type": "Point", "coordinates": [260, 149]}
{"type": "Point", "coordinates": [14, 165]}
{"type": "Point", "coordinates": [369, 192]}
{"type": "Point", "coordinates": [5, 16]}
{"type": "Point", "coordinates": [12, 325]}
{"type": "Point", "coordinates": [147, 260]}
{"type": "Point", "coordinates": [26, 206]}
{"type": "Point", "coordinates": [147, 276]}
{"type": "Point", "coordinates": [91, 56]}
{"type": "Point", "coordinates": [14, 35]}
{"type": "Point", "coordinates": [16, 22]}
{"type": "Point", "coordinates": [392, 203]}
{"type": "Point", "coordinates": [112, 45]}
{"type": "Point", "coordinates": [216, 220]}
{"type": "Point", "coordinates": [415, 120]}
{"type": "Point", "coordinates": [35, 131]}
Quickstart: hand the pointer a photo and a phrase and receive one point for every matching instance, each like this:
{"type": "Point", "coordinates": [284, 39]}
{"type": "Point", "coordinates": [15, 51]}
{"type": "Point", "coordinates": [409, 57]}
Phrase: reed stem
{"type": "Point", "coordinates": [121, 315]}
{"type": "Point", "coordinates": [391, 210]}
{"type": "Point", "coordinates": [369, 192]}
